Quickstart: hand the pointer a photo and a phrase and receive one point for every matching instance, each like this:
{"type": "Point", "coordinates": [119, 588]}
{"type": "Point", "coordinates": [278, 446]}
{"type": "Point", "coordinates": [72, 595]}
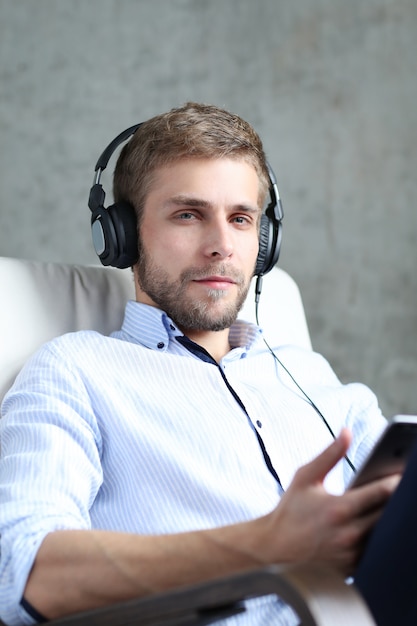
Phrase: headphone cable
{"type": "Point", "coordinates": [312, 404]}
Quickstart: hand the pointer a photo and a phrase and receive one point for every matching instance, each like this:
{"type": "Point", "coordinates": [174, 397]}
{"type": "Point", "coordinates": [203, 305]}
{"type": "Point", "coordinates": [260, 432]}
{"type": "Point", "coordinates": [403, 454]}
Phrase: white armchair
{"type": "Point", "coordinates": [43, 300]}
{"type": "Point", "coordinates": [40, 301]}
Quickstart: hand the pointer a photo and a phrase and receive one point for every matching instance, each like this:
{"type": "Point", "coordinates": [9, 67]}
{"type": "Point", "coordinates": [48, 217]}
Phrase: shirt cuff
{"type": "Point", "coordinates": [30, 610]}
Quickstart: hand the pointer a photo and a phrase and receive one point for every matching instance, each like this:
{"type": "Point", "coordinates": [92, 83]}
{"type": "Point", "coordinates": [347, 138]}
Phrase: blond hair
{"type": "Point", "coordinates": [190, 131]}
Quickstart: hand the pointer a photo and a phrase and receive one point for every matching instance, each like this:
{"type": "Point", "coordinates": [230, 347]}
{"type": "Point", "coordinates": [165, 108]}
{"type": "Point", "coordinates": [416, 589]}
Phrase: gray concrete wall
{"type": "Point", "coordinates": [331, 86]}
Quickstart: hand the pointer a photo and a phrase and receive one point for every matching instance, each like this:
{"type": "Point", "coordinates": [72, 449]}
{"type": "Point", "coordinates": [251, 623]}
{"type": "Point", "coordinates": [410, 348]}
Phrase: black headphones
{"type": "Point", "coordinates": [114, 229]}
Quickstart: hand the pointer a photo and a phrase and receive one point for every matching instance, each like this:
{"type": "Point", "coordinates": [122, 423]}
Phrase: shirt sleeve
{"type": "Point", "coordinates": [42, 489]}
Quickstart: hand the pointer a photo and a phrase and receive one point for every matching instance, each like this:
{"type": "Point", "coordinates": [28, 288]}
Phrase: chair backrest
{"type": "Point", "coordinates": [40, 301]}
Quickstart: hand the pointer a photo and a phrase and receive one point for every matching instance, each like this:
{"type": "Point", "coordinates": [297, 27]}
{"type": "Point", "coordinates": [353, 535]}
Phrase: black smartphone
{"type": "Point", "coordinates": [390, 453]}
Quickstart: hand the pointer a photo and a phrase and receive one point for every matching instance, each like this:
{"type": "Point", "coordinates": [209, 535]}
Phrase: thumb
{"type": "Point", "coordinates": [318, 468]}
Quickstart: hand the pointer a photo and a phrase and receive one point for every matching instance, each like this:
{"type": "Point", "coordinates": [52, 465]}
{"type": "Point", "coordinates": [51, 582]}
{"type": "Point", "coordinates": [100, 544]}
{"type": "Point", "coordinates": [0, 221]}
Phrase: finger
{"type": "Point", "coordinates": [317, 470]}
{"type": "Point", "coordinates": [373, 495]}
{"type": "Point", "coordinates": [360, 535]}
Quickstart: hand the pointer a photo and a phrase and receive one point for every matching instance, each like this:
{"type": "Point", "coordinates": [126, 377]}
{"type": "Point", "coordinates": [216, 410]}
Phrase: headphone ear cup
{"type": "Point", "coordinates": [270, 234]}
{"type": "Point", "coordinates": [264, 245]}
{"type": "Point", "coordinates": [114, 233]}
{"type": "Point", "coordinates": [123, 217]}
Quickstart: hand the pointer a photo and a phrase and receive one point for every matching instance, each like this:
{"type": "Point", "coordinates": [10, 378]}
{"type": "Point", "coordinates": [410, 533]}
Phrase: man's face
{"type": "Point", "coordinates": [199, 241]}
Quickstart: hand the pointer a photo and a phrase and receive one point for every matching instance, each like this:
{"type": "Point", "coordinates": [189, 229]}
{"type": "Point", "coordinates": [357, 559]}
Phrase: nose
{"type": "Point", "coordinates": [219, 239]}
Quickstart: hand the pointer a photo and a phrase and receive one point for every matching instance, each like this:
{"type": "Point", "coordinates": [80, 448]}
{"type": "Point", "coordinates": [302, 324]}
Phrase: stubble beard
{"type": "Point", "coordinates": [187, 311]}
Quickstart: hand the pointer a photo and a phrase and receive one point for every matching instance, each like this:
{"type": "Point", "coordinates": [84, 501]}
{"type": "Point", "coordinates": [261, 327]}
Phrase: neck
{"type": "Point", "coordinates": [215, 342]}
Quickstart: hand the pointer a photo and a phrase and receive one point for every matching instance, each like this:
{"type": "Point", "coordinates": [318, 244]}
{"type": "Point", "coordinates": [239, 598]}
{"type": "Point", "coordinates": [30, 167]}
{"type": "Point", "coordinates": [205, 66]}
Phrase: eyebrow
{"type": "Point", "coordinates": [195, 202]}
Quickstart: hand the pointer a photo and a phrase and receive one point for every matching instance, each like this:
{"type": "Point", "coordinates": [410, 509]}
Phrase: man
{"type": "Point", "coordinates": [178, 449]}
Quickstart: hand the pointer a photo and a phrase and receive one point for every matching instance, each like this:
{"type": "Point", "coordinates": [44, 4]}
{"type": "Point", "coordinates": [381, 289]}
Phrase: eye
{"type": "Point", "coordinates": [241, 220]}
{"type": "Point", "coordinates": [185, 216]}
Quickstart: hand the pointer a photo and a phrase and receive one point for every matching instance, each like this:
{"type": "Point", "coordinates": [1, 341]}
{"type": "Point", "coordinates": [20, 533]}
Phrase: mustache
{"type": "Point", "coordinates": [214, 269]}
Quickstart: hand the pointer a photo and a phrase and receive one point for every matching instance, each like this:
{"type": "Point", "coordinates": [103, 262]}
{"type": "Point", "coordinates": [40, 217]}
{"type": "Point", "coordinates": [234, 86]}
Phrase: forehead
{"type": "Point", "coordinates": [216, 180]}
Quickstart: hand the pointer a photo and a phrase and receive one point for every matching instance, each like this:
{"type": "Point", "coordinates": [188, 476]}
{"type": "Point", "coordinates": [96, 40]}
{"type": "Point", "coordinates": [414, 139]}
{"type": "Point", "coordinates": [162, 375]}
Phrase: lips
{"type": "Point", "coordinates": [216, 282]}
{"type": "Point", "coordinates": [216, 279]}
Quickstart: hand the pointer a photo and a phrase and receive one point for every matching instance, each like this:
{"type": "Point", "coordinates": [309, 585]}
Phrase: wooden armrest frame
{"type": "Point", "coordinates": [319, 596]}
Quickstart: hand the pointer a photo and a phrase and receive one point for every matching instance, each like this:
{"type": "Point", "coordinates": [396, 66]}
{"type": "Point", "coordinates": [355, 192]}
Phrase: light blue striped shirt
{"type": "Point", "coordinates": [135, 433]}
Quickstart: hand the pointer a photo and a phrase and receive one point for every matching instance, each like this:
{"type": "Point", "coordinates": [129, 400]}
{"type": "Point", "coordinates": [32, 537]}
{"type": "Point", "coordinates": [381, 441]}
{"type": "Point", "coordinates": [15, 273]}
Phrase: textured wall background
{"type": "Point", "coordinates": [330, 85]}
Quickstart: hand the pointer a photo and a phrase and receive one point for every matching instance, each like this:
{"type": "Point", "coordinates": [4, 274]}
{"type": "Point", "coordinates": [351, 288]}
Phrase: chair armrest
{"type": "Point", "coordinates": [318, 595]}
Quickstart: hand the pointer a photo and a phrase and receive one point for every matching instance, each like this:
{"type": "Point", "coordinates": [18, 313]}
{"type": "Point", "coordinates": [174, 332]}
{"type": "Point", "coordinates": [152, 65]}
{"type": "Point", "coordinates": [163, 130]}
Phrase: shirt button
{"type": "Point", "coordinates": [259, 424]}
{"type": "Point", "coordinates": [161, 345]}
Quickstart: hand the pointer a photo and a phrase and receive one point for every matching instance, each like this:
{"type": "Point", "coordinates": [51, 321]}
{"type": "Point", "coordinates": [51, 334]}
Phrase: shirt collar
{"type": "Point", "coordinates": [152, 328]}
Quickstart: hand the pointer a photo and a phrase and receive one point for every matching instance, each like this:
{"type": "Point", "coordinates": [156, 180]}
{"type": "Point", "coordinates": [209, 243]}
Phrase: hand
{"type": "Point", "coordinates": [309, 524]}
